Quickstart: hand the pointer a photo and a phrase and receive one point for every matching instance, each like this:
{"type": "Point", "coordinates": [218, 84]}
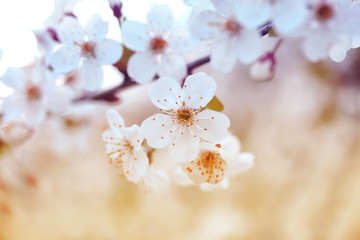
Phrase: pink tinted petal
{"type": "Point", "coordinates": [91, 74]}
{"type": "Point", "coordinates": [254, 13]}
{"type": "Point", "coordinates": [166, 94]}
{"type": "Point", "coordinates": [248, 46]}
{"type": "Point", "coordinates": [172, 65]}
{"type": "Point", "coordinates": [65, 60]}
{"type": "Point", "coordinates": [58, 99]}
{"type": "Point", "coordinates": [34, 112]}
{"type": "Point", "coordinates": [96, 28]}
{"type": "Point", "coordinates": [116, 123]}
{"type": "Point", "coordinates": [181, 41]}
{"type": "Point", "coordinates": [160, 19]}
{"type": "Point", "coordinates": [135, 35]}
{"type": "Point", "coordinates": [212, 125]}
{"type": "Point", "coordinates": [206, 25]}
{"type": "Point", "coordinates": [70, 32]}
{"type": "Point", "coordinates": [316, 45]}
{"type": "Point", "coordinates": [142, 67]}
{"type": "Point", "coordinates": [199, 89]}
{"type": "Point", "coordinates": [159, 130]}
{"type": "Point", "coordinates": [338, 51]}
{"type": "Point", "coordinates": [14, 78]}
{"type": "Point", "coordinates": [223, 55]}
{"type": "Point", "coordinates": [108, 51]}
{"type": "Point", "coordinates": [241, 163]}
{"type": "Point", "coordinates": [186, 147]}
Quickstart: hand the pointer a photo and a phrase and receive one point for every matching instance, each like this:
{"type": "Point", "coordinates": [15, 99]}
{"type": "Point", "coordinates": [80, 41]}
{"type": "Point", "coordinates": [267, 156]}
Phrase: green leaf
{"type": "Point", "coordinates": [215, 104]}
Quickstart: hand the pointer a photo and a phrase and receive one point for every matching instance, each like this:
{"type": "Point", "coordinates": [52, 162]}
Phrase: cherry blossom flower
{"type": "Point", "coordinates": [34, 94]}
{"type": "Point", "coordinates": [327, 31]}
{"type": "Point", "coordinates": [215, 164]}
{"type": "Point", "coordinates": [158, 45]}
{"type": "Point", "coordinates": [15, 132]}
{"type": "Point", "coordinates": [87, 47]}
{"type": "Point", "coordinates": [183, 120]}
{"type": "Point", "coordinates": [232, 38]}
{"type": "Point", "coordinates": [124, 147]}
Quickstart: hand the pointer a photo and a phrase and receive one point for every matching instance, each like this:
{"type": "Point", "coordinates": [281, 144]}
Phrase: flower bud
{"type": "Point", "coordinates": [263, 69]}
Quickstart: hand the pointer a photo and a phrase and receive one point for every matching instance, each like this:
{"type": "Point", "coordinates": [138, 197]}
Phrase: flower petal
{"type": "Point", "coordinates": [108, 52]}
{"type": "Point", "coordinates": [96, 28]}
{"type": "Point", "coordinates": [172, 65]}
{"type": "Point", "coordinates": [249, 46]}
{"type": "Point", "coordinates": [129, 169]}
{"type": "Point", "coordinates": [116, 122]}
{"type": "Point", "coordinates": [181, 41]}
{"type": "Point", "coordinates": [186, 147]}
{"type": "Point", "coordinates": [65, 60]}
{"type": "Point", "coordinates": [241, 163]}
{"type": "Point", "coordinates": [166, 94]}
{"type": "Point", "coordinates": [141, 162]}
{"type": "Point", "coordinates": [141, 67]}
{"type": "Point", "coordinates": [205, 25]}
{"type": "Point", "coordinates": [134, 137]}
{"type": "Point", "coordinates": [226, 7]}
{"type": "Point", "coordinates": [91, 74]}
{"type": "Point", "coordinates": [160, 19]}
{"type": "Point", "coordinates": [135, 35]}
{"type": "Point", "coordinates": [199, 89]}
{"type": "Point", "coordinates": [223, 56]}
{"type": "Point", "coordinates": [14, 105]}
{"type": "Point", "coordinates": [14, 78]}
{"type": "Point", "coordinates": [212, 125]}
{"type": "Point", "coordinates": [254, 13]}
{"type": "Point", "coordinates": [159, 130]}
{"type": "Point", "coordinates": [70, 32]}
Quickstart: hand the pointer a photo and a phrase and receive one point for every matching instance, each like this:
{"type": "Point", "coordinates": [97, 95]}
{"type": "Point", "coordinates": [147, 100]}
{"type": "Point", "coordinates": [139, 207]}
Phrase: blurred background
{"type": "Point", "coordinates": [303, 128]}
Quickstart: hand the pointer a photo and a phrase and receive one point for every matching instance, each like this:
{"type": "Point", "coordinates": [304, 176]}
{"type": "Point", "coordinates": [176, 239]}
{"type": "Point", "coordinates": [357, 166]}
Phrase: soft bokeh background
{"type": "Point", "coordinates": [303, 128]}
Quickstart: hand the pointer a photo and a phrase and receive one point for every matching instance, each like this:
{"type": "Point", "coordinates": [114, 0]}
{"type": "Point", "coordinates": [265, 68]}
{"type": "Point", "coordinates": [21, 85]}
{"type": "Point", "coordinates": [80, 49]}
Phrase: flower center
{"type": "Point", "coordinates": [184, 114]}
{"type": "Point", "coordinates": [33, 93]}
{"type": "Point", "coordinates": [88, 50]}
{"type": "Point", "coordinates": [158, 44]}
{"type": "Point", "coordinates": [324, 12]}
{"type": "Point", "coordinates": [232, 26]}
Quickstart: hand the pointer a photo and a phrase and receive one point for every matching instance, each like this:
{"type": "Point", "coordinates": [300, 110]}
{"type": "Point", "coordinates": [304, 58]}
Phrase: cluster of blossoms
{"type": "Point", "coordinates": [186, 141]}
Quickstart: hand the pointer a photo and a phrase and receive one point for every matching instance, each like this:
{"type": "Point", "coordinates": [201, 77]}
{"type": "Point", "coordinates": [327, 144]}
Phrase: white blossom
{"type": "Point", "coordinates": [124, 147]}
{"type": "Point", "coordinates": [158, 45]}
{"type": "Point", "coordinates": [183, 120]}
{"type": "Point", "coordinates": [87, 47]}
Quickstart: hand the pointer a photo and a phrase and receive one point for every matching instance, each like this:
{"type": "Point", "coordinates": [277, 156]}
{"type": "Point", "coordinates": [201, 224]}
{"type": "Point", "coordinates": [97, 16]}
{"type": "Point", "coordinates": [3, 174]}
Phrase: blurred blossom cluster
{"type": "Point", "coordinates": [182, 93]}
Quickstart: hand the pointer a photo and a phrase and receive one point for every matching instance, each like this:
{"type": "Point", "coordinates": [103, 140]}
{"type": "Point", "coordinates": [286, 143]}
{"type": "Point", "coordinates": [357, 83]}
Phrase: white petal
{"type": "Point", "coordinates": [226, 7]}
{"type": "Point", "coordinates": [181, 41]}
{"type": "Point", "coordinates": [129, 169]}
{"type": "Point", "coordinates": [96, 28]}
{"type": "Point", "coordinates": [223, 56]}
{"type": "Point", "coordinates": [65, 60]}
{"type": "Point", "coordinates": [159, 130]}
{"type": "Point", "coordinates": [34, 112]}
{"type": "Point", "coordinates": [249, 46]}
{"type": "Point", "coordinates": [186, 147]}
{"type": "Point", "coordinates": [166, 94]}
{"type": "Point", "coordinates": [254, 13]}
{"type": "Point", "coordinates": [142, 67]}
{"type": "Point", "coordinates": [135, 35]}
{"type": "Point", "coordinates": [91, 74]}
{"type": "Point", "coordinates": [206, 25]}
{"type": "Point", "coordinates": [212, 125]}
{"type": "Point", "coordinates": [338, 50]}
{"type": "Point", "coordinates": [224, 184]}
{"type": "Point", "coordinates": [160, 19]}
{"type": "Point", "coordinates": [243, 162]}
{"type": "Point", "coordinates": [108, 52]}
{"type": "Point", "coordinates": [116, 122]}
{"type": "Point", "coordinates": [134, 137]}
{"type": "Point", "coordinates": [70, 32]}
{"type": "Point", "coordinates": [172, 65]}
{"type": "Point", "coordinates": [199, 89]}
{"type": "Point", "coordinates": [15, 78]}
{"type": "Point", "coordinates": [141, 162]}
{"type": "Point", "coordinates": [14, 105]}
{"type": "Point", "coordinates": [315, 46]}
{"type": "Point", "coordinates": [58, 99]}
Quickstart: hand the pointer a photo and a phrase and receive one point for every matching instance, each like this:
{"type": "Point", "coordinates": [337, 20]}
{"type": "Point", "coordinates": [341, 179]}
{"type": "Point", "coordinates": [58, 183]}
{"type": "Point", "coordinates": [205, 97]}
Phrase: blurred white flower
{"type": "Point", "coordinates": [15, 132]}
{"type": "Point", "coordinates": [87, 47]}
{"type": "Point", "coordinates": [124, 147]}
{"type": "Point", "coordinates": [183, 120]}
{"type": "Point", "coordinates": [158, 45]}
{"type": "Point", "coordinates": [34, 94]}
{"type": "Point", "coordinates": [232, 38]}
